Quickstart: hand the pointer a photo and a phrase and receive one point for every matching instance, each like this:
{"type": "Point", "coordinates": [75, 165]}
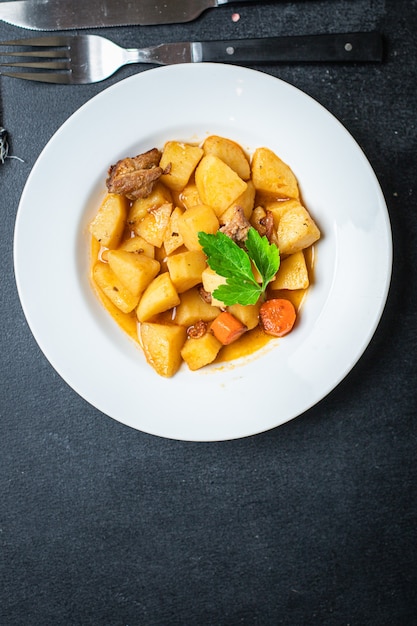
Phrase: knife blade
{"type": "Point", "coordinates": [72, 14]}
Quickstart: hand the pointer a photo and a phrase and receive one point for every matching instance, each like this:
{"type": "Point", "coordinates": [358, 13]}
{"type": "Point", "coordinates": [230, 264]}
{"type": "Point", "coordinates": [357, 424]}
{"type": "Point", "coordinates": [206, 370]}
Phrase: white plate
{"type": "Point", "coordinates": [189, 102]}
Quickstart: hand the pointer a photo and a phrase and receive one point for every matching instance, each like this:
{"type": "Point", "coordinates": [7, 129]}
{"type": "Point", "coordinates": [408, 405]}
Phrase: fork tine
{"type": "Point", "coordinates": [39, 41]}
{"type": "Point", "coordinates": [41, 65]}
{"type": "Point", "coordinates": [60, 50]}
{"type": "Point", "coordinates": [52, 53]}
{"type": "Point", "coordinates": [41, 77]}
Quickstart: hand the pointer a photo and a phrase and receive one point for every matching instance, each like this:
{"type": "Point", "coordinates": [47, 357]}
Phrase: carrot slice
{"type": "Point", "coordinates": [277, 316]}
{"type": "Point", "coordinates": [227, 328]}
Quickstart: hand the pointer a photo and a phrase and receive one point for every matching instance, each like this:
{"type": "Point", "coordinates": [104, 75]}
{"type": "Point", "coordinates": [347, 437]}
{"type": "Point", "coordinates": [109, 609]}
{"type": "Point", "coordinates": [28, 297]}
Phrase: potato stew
{"type": "Point", "coordinates": [200, 253]}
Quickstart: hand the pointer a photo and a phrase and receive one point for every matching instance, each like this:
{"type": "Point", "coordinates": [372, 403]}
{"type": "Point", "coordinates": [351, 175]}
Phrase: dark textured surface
{"type": "Point", "coordinates": [312, 523]}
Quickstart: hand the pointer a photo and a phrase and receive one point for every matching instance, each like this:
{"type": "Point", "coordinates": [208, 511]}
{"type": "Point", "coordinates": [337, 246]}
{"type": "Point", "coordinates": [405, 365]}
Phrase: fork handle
{"type": "Point", "coordinates": [345, 47]}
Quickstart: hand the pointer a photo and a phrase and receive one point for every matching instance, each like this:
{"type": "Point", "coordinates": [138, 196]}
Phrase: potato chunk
{"type": "Point", "coordinates": [189, 196]}
{"type": "Point", "coordinates": [296, 230]}
{"type": "Point", "coordinates": [292, 274]}
{"type": "Point", "coordinates": [218, 185]}
{"type": "Point", "coordinates": [162, 346]}
{"type": "Point", "coordinates": [113, 288]}
{"type": "Point", "coordinates": [185, 269]}
{"type": "Point", "coordinates": [279, 207]}
{"type": "Point", "coordinates": [247, 314]}
{"type": "Point", "coordinates": [246, 202]}
{"type": "Point", "coordinates": [173, 239]}
{"type": "Point", "coordinates": [138, 245]}
{"type": "Point", "coordinates": [159, 296]}
{"type": "Point", "coordinates": [135, 271]}
{"type": "Point", "coordinates": [142, 206]}
{"type": "Point", "coordinates": [271, 175]}
{"type": "Point", "coordinates": [154, 225]}
{"type": "Point", "coordinates": [109, 223]}
{"type": "Point", "coordinates": [200, 352]}
{"type": "Point", "coordinates": [193, 308]}
{"type": "Point", "coordinates": [211, 280]}
{"type": "Point", "coordinates": [197, 218]}
{"type": "Point", "coordinates": [230, 152]}
{"type": "Point", "coordinates": [182, 160]}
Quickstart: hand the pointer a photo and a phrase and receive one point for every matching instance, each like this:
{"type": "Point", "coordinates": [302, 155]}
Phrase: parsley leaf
{"type": "Point", "coordinates": [227, 259]}
{"type": "Point", "coordinates": [264, 255]}
{"type": "Point", "coordinates": [224, 255]}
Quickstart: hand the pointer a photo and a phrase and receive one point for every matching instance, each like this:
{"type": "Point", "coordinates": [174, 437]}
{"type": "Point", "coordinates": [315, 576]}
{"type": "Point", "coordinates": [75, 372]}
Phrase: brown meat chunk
{"type": "Point", "coordinates": [134, 177]}
{"type": "Point", "coordinates": [237, 227]}
{"type": "Point", "coordinates": [197, 330]}
{"type": "Point", "coordinates": [266, 226]}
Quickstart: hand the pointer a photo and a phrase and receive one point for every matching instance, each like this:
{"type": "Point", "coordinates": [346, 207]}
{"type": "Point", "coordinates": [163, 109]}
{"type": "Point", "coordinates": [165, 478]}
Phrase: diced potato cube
{"type": "Point", "coordinates": [126, 321]}
{"type": "Point", "coordinates": [138, 245]}
{"type": "Point", "coordinates": [193, 308]}
{"type": "Point", "coordinates": [182, 158]}
{"type": "Point", "coordinates": [211, 281]}
{"type": "Point", "coordinates": [218, 185]}
{"type": "Point", "coordinates": [194, 220]}
{"type": "Point", "coordinates": [135, 271]}
{"type": "Point", "coordinates": [159, 296]}
{"type": "Point", "coordinates": [292, 274]}
{"type": "Point", "coordinates": [142, 206]}
{"type": "Point", "coordinates": [271, 175]}
{"type": "Point", "coordinates": [154, 225]}
{"type": "Point", "coordinates": [279, 207]}
{"type": "Point", "coordinates": [245, 201]}
{"type": "Point", "coordinates": [113, 288]}
{"type": "Point", "coordinates": [247, 314]}
{"type": "Point", "coordinates": [185, 269]}
{"type": "Point", "coordinates": [173, 238]}
{"type": "Point", "coordinates": [229, 152]}
{"type": "Point", "coordinates": [189, 196]}
{"type": "Point", "coordinates": [296, 230]}
{"type": "Point", "coordinates": [109, 223]}
{"type": "Point", "coordinates": [200, 352]}
{"type": "Point", "coordinates": [162, 346]}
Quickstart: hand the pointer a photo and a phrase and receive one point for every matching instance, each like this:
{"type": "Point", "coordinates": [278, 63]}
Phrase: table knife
{"type": "Point", "coordinates": [72, 14]}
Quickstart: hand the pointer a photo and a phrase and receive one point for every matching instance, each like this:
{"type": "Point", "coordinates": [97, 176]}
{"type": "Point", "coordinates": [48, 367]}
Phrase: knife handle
{"type": "Point", "coordinates": [344, 47]}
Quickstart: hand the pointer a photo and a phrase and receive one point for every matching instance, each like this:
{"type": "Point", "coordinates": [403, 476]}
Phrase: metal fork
{"type": "Point", "coordinates": [82, 59]}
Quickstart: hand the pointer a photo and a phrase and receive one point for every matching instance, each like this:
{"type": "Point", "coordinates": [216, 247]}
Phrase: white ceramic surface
{"type": "Point", "coordinates": [189, 102]}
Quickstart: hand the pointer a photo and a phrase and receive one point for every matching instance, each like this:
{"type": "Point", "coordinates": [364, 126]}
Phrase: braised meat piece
{"type": "Point", "coordinates": [237, 227]}
{"type": "Point", "coordinates": [134, 177]}
{"type": "Point", "coordinates": [266, 226]}
{"type": "Point", "coordinates": [197, 330]}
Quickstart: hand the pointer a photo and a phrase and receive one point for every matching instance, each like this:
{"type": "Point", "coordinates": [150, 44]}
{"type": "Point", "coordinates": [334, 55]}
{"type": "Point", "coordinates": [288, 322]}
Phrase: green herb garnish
{"type": "Point", "coordinates": [232, 262]}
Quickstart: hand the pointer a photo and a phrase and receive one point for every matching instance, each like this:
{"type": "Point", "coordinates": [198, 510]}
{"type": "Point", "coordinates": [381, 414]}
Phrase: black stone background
{"type": "Point", "coordinates": [313, 523]}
